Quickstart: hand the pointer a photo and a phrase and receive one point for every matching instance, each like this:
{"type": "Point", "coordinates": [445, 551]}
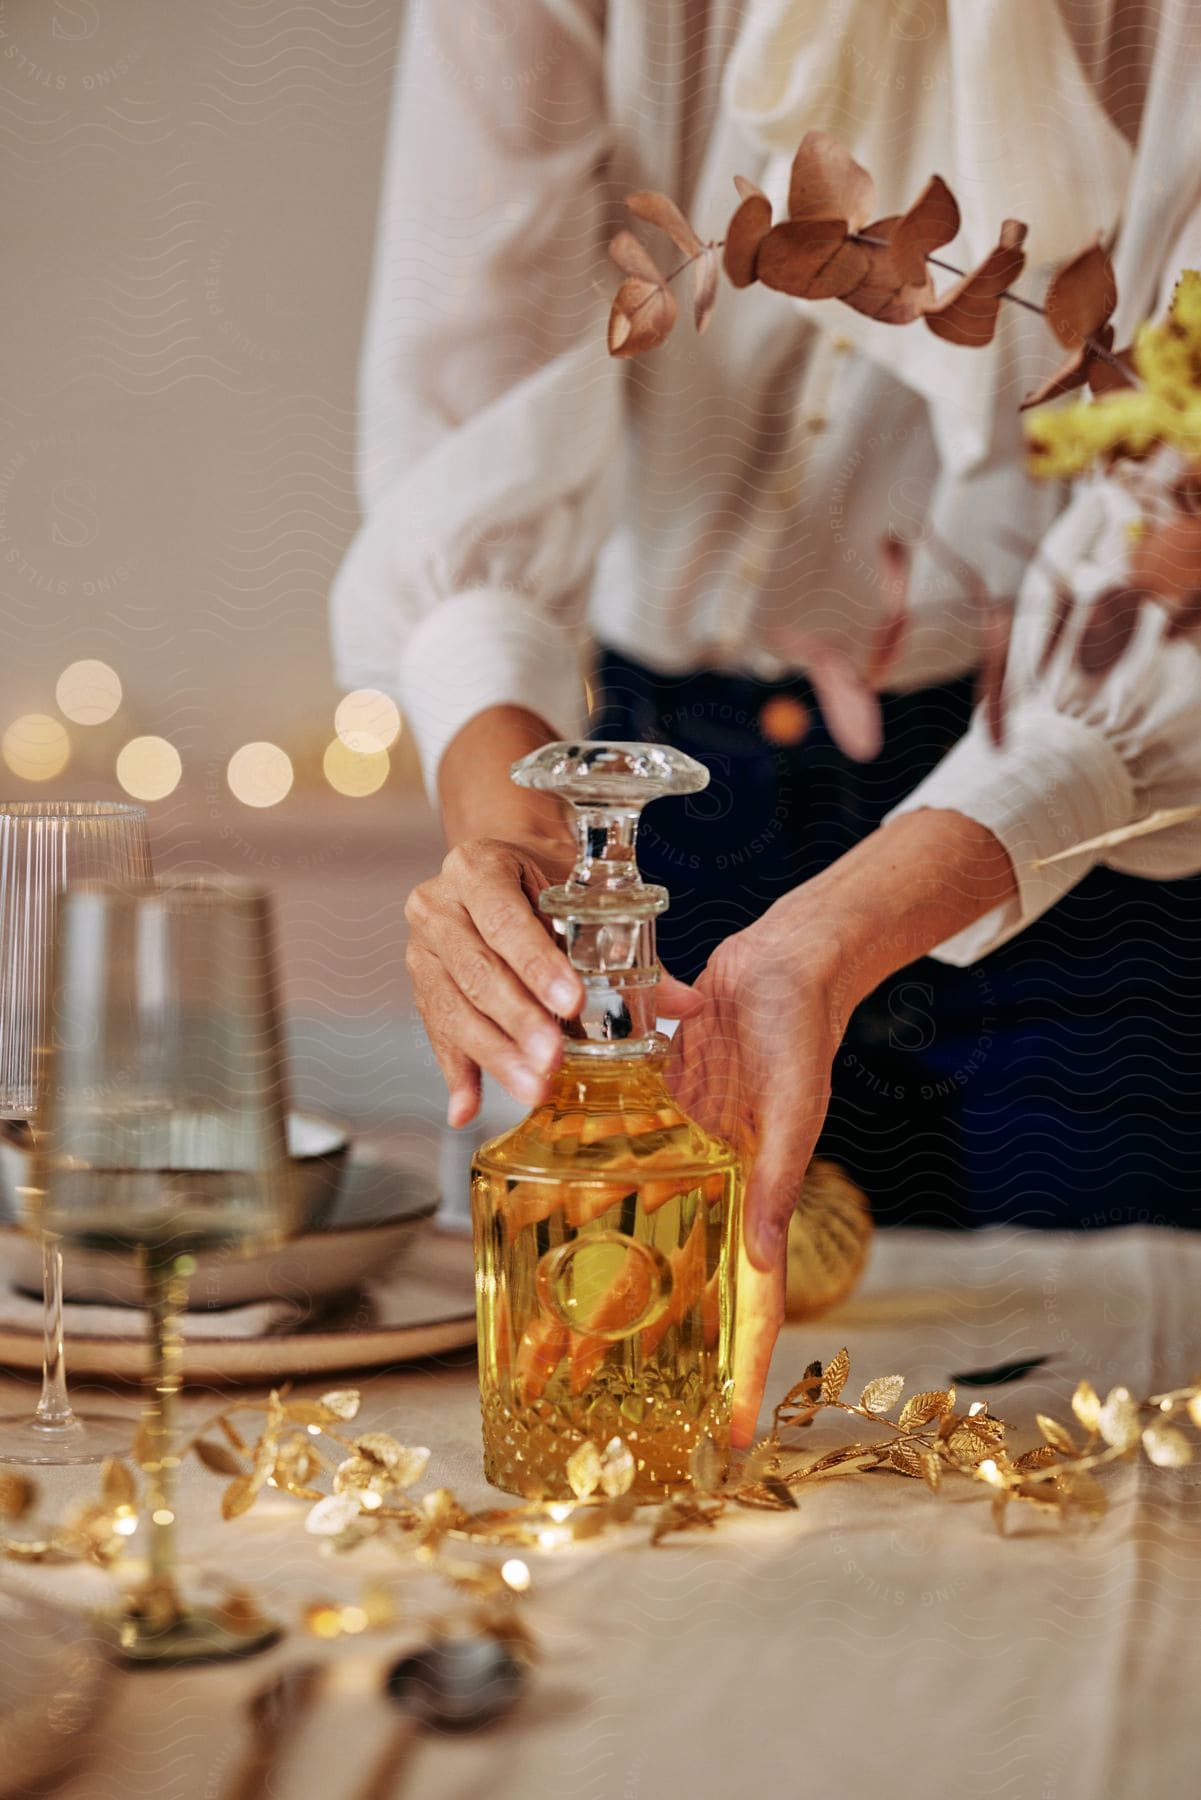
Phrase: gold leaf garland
{"type": "Point", "coordinates": [365, 1491]}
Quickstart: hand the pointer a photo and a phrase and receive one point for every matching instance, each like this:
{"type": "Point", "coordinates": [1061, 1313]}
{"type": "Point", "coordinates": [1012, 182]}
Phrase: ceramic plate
{"type": "Point", "coordinates": [424, 1306]}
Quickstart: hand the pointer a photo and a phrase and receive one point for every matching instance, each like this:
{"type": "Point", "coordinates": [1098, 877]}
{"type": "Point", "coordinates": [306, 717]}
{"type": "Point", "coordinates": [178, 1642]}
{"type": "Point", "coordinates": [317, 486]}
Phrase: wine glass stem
{"type": "Point", "coordinates": [165, 1288]}
{"type": "Point", "coordinates": [53, 1408]}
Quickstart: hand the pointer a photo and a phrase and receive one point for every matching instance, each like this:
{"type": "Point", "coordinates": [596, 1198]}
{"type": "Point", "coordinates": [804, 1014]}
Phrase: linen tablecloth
{"type": "Point", "coordinates": [879, 1635]}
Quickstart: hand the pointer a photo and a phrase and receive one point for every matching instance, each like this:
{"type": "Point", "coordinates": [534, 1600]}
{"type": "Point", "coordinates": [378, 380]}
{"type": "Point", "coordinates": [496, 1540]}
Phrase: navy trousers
{"type": "Point", "coordinates": [1056, 1083]}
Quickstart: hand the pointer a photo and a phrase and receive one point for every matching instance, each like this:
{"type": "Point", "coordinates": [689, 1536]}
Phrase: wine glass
{"type": "Point", "coordinates": [165, 1134]}
{"type": "Point", "coordinates": [45, 846]}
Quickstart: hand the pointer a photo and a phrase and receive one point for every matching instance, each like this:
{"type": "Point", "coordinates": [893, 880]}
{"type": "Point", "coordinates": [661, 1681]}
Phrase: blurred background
{"type": "Point", "coordinates": [188, 213]}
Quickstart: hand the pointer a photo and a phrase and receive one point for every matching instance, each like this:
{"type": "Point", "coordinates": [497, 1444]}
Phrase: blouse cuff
{"type": "Point", "coordinates": [481, 649]}
{"type": "Point", "coordinates": [1054, 782]}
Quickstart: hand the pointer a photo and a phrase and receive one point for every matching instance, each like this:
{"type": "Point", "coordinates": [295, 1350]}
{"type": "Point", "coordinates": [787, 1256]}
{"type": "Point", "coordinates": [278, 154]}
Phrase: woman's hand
{"type": "Point", "coordinates": [754, 1067]}
{"type": "Point", "coordinates": [755, 1064]}
{"type": "Point", "coordinates": [488, 978]}
{"type": "Point", "coordinates": [490, 981]}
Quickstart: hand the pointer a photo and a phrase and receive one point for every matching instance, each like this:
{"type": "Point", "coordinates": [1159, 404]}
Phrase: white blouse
{"type": "Point", "coordinates": [720, 502]}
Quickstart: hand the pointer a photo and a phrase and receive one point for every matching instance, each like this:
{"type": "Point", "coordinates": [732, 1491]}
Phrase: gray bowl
{"type": "Point", "coordinates": [318, 1147]}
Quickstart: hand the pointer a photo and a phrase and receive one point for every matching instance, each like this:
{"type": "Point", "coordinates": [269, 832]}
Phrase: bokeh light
{"type": "Point", "coordinates": [367, 721]}
{"type": "Point", "coordinates": [88, 692]}
{"type": "Point", "coordinates": [259, 774]}
{"type": "Point", "coordinates": [36, 747]}
{"type": "Point", "coordinates": [149, 768]}
{"type": "Point", "coordinates": [353, 772]}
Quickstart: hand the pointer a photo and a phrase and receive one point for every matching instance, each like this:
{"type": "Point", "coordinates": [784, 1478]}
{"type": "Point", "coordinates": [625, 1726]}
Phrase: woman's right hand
{"type": "Point", "coordinates": [489, 979]}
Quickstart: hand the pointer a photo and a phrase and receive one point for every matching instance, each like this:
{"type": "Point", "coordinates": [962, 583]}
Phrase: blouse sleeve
{"type": "Point", "coordinates": [1082, 755]}
{"type": "Point", "coordinates": [491, 427]}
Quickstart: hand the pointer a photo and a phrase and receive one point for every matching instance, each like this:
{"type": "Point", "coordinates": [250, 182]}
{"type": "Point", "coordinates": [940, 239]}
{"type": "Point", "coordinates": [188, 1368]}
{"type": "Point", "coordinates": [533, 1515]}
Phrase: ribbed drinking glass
{"type": "Point", "coordinates": [45, 847]}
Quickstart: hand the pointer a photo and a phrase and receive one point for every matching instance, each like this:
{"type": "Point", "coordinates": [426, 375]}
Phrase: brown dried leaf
{"type": "Point", "coordinates": [882, 1394]}
{"type": "Point", "coordinates": [827, 183]}
{"type": "Point", "coordinates": [704, 289]}
{"type": "Point", "coordinates": [633, 258]}
{"type": "Point", "coordinates": [747, 229]}
{"type": "Point", "coordinates": [1057, 1435]}
{"type": "Point", "coordinates": [967, 313]}
{"type": "Point", "coordinates": [834, 1377]}
{"type": "Point", "coordinates": [661, 211]}
{"type": "Point", "coordinates": [919, 1409]}
{"type": "Point", "coordinates": [792, 256]}
{"type": "Point", "coordinates": [641, 318]}
{"type": "Point", "coordinates": [217, 1458]}
{"type": "Point", "coordinates": [1081, 296]}
{"type": "Point", "coordinates": [1112, 620]}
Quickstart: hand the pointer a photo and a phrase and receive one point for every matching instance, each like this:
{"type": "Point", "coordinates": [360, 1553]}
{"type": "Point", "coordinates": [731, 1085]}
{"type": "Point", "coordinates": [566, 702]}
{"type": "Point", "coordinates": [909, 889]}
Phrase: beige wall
{"type": "Point", "coordinates": [186, 215]}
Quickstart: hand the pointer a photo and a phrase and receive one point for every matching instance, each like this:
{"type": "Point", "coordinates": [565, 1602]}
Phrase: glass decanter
{"type": "Point", "coordinates": [606, 1223]}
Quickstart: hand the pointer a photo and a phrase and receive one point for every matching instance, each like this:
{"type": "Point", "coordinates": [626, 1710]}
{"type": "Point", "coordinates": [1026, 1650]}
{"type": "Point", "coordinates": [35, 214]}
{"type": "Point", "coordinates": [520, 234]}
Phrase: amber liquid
{"type": "Point", "coordinates": [606, 1238]}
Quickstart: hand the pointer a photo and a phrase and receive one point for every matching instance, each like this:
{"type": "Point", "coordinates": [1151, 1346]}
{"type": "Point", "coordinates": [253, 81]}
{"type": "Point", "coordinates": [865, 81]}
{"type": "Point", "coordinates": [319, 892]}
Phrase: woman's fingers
{"type": "Point", "coordinates": [757, 1324]}
{"type": "Point", "coordinates": [491, 987]}
{"type": "Point", "coordinates": [788, 1121]}
{"type": "Point", "coordinates": [489, 885]}
{"type": "Point", "coordinates": [460, 1034]}
{"type": "Point", "coordinates": [676, 1000]}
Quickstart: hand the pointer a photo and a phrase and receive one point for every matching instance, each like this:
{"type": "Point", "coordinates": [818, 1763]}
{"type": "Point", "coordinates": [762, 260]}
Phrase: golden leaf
{"type": "Point", "coordinates": [1057, 1435]}
{"type": "Point", "coordinates": [377, 1447]}
{"type": "Point", "coordinates": [342, 1403]}
{"type": "Point", "coordinates": [1167, 1447]}
{"type": "Point", "coordinates": [705, 1465]}
{"type": "Point", "coordinates": [237, 1498]}
{"type": "Point", "coordinates": [1118, 1420]}
{"type": "Point", "coordinates": [584, 1470]}
{"type": "Point", "coordinates": [1194, 1409]}
{"type": "Point", "coordinates": [766, 1495]}
{"type": "Point", "coordinates": [307, 1412]}
{"type": "Point", "coordinates": [1084, 1491]}
{"type": "Point", "coordinates": [931, 1469]}
{"type": "Point", "coordinates": [617, 1468]}
{"type": "Point", "coordinates": [1041, 1457]}
{"type": "Point", "coordinates": [233, 1435]}
{"type": "Point", "coordinates": [332, 1515]}
{"type": "Point", "coordinates": [882, 1394]}
{"type": "Point", "coordinates": [919, 1409]}
{"type": "Point", "coordinates": [906, 1460]}
{"type": "Point", "coordinates": [217, 1458]}
{"type": "Point", "coordinates": [834, 1377]}
{"type": "Point", "coordinates": [117, 1484]}
{"type": "Point", "coordinates": [17, 1494]}
{"type": "Point", "coordinates": [1086, 1404]}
